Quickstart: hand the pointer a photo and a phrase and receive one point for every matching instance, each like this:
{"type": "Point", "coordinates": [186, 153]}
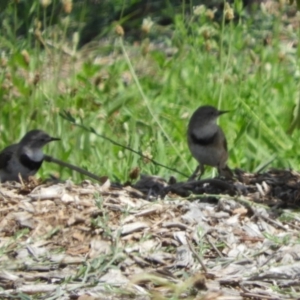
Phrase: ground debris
{"type": "Point", "coordinates": [280, 188]}
{"type": "Point", "coordinates": [77, 240]}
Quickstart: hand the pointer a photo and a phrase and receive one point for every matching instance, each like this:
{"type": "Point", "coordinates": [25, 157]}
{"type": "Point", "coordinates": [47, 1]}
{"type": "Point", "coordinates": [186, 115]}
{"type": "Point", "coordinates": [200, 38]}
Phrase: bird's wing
{"type": "Point", "coordinates": [225, 143]}
{"type": "Point", "coordinates": [222, 139]}
{"type": "Point", "coordinates": [6, 154]}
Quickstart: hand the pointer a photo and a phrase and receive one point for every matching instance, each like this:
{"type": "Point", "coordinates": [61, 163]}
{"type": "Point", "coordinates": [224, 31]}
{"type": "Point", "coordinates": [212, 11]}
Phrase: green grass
{"type": "Point", "coordinates": [227, 66]}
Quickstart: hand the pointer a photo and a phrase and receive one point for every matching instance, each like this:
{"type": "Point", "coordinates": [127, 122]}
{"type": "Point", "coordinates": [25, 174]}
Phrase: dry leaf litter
{"type": "Point", "coordinates": [207, 239]}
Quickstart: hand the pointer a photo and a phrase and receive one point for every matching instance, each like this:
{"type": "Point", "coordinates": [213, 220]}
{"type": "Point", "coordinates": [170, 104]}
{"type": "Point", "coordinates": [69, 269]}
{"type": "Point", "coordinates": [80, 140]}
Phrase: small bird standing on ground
{"type": "Point", "coordinates": [207, 142]}
{"type": "Point", "coordinates": [24, 158]}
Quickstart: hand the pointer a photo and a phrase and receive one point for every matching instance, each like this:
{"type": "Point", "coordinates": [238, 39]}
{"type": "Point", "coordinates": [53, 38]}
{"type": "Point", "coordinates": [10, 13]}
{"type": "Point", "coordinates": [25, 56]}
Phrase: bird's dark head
{"type": "Point", "coordinates": [208, 113]}
{"type": "Point", "coordinates": [37, 139]}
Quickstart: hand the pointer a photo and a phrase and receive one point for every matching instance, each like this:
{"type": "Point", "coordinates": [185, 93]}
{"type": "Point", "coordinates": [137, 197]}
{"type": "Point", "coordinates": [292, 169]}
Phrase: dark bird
{"type": "Point", "coordinates": [24, 158]}
{"type": "Point", "coordinates": [207, 142]}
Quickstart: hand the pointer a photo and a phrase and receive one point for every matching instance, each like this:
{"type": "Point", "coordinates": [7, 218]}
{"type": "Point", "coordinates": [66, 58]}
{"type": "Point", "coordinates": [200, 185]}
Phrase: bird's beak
{"type": "Point", "coordinates": [54, 139]}
{"type": "Point", "coordinates": [221, 112]}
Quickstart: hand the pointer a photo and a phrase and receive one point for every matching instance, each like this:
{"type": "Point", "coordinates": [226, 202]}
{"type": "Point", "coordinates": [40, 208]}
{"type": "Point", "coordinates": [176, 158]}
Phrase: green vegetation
{"type": "Point", "coordinates": [142, 93]}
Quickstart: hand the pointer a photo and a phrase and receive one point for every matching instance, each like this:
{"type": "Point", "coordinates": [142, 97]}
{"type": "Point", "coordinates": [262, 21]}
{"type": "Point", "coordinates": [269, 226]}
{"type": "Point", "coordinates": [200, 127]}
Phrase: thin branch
{"type": "Point", "coordinates": [146, 100]}
{"type": "Point", "coordinates": [72, 167]}
{"type": "Point", "coordinates": [68, 117]}
{"type": "Point", "coordinates": [196, 255]}
{"type": "Point", "coordinates": [213, 245]}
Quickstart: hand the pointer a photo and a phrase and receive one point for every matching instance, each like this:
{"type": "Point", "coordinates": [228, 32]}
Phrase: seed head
{"type": "Point", "coordinates": [3, 62]}
{"type": "Point", "coordinates": [45, 3]}
{"type": "Point", "coordinates": [228, 12]}
{"type": "Point", "coordinates": [36, 79]}
{"type": "Point", "coordinates": [210, 13]}
{"type": "Point", "coordinates": [119, 30]}
{"type": "Point", "coordinates": [199, 10]}
{"type": "Point", "coordinates": [67, 6]}
{"type": "Point", "coordinates": [146, 25]}
{"type": "Point", "coordinates": [37, 24]}
{"type": "Point", "coordinates": [26, 56]}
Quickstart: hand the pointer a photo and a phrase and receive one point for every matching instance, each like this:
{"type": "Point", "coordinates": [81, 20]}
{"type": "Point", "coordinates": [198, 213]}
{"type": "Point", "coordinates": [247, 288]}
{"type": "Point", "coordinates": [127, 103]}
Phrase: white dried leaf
{"type": "Point", "coordinates": [266, 187]}
{"type": "Point", "coordinates": [51, 192]}
{"type": "Point", "coordinates": [226, 204]}
{"type": "Point", "coordinates": [133, 227]}
{"type": "Point", "coordinates": [90, 191]}
{"type": "Point", "coordinates": [220, 215]}
{"type": "Point", "coordinates": [180, 236]}
{"type": "Point", "coordinates": [67, 198]}
{"type": "Point", "coordinates": [27, 206]}
{"type": "Point", "coordinates": [174, 224]}
{"type": "Point", "coordinates": [5, 275]}
{"type": "Point", "coordinates": [154, 209]}
{"type": "Point", "coordinates": [260, 189]}
{"type": "Point", "coordinates": [125, 199]}
{"type": "Point", "coordinates": [11, 194]}
{"type": "Point", "coordinates": [194, 214]}
{"type": "Point", "coordinates": [286, 272]}
{"type": "Point", "coordinates": [31, 250]}
{"type": "Point", "coordinates": [105, 186]}
{"type": "Point", "coordinates": [287, 258]}
{"type": "Point", "coordinates": [24, 219]}
{"type": "Point", "coordinates": [114, 277]}
{"type": "Point", "coordinates": [160, 257]}
{"type": "Point", "coordinates": [233, 220]}
{"type": "Point", "coordinates": [98, 247]}
{"type": "Point", "coordinates": [143, 247]}
{"type": "Point", "coordinates": [184, 257]}
{"type": "Point", "coordinates": [233, 270]}
{"type": "Point", "coordinates": [66, 259]}
{"type": "Point", "coordinates": [252, 229]}
{"type": "Point", "coordinates": [237, 250]}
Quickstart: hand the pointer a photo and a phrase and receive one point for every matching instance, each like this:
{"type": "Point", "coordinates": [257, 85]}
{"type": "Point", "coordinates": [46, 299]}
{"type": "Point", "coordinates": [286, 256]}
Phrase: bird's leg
{"type": "Point", "coordinates": [197, 173]}
{"type": "Point", "coordinates": [194, 175]}
{"type": "Point", "coordinates": [226, 172]}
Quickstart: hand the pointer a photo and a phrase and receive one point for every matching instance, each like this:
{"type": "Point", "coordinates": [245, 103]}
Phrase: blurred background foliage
{"type": "Point", "coordinates": [136, 70]}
